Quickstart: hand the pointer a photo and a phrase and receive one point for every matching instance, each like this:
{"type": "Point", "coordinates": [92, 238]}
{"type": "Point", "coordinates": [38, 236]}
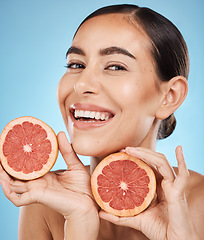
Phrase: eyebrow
{"type": "Point", "coordinates": [116, 50]}
{"type": "Point", "coordinates": [75, 50]}
{"type": "Point", "coordinates": [103, 52]}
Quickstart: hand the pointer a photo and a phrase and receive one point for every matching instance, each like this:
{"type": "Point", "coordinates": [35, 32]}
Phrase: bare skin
{"type": "Point", "coordinates": [49, 224]}
{"type": "Point", "coordinates": [105, 67]}
{"type": "Point", "coordinates": [54, 220]}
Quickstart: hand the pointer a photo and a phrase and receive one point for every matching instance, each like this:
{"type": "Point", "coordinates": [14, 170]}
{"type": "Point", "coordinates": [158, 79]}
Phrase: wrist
{"type": "Point", "coordinates": [82, 226]}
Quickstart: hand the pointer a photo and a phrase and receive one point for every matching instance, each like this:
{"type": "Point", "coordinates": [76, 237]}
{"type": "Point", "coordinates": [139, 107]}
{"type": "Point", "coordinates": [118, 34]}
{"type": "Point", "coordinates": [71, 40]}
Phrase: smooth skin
{"type": "Point", "coordinates": [60, 205]}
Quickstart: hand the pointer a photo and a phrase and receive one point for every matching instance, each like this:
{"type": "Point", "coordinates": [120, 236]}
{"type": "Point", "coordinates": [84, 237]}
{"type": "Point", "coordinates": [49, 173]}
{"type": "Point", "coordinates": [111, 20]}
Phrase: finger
{"type": "Point", "coordinates": [68, 153]}
{"type": "Point", "coordinates": [47, 196]}
{"type": "Point", "coordinates": [183, 172]}
{"type": "Point", "coordinates": [12, 195]}
{"type": "Point", "coordinates": [181, 162]}
{"type": "Point", "coordinates": [15, 185]}
{"type": "Point", "coordinates": [25, 198]}
{"type": "Point", "coordinates": [122, 221]}
{"type": "Point", "coordinates": [110, 218]}
{"type": "Point", "coordinates": [154, 159]}
{"type": "Point", "coordinates": [25, 194]}
{"type": "Point", "coordinates": [4, 175]}
{"type": "Point", "coordinates": [18, 186]}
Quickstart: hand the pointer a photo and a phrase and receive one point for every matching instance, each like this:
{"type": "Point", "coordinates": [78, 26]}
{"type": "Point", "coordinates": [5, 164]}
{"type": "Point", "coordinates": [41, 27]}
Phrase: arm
{"type": "Point", "coordinates": [32, 223]}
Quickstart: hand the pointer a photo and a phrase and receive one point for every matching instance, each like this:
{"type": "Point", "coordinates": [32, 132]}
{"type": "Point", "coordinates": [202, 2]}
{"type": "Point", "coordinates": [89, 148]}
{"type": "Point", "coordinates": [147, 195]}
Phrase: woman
{"type": "Point", "coordinates": [127, 71]}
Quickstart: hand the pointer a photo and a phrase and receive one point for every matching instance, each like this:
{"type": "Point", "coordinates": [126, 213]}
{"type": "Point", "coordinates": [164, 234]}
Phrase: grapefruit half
{"type": "Point", "coordinates": [123, 185]}
{"type": "Point", "coordinates": [28, 148]}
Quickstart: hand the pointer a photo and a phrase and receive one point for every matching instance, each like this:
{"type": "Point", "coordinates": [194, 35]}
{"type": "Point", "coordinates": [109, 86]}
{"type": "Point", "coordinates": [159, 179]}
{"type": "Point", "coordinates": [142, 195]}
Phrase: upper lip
{"type": "Point", "coordinates": [91, 108]}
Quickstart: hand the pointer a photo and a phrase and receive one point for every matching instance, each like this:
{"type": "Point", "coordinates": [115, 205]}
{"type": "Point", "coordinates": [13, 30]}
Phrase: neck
{"type": "Point", "coordinates": [148, 142]}
{"type": "Point", "coordinates": [94, 161]}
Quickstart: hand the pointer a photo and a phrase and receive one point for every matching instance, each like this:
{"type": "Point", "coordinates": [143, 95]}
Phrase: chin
{"type": "Point", "coordinates": [88, 151]}
{"type": "Point", "coordinates": [93, 150]}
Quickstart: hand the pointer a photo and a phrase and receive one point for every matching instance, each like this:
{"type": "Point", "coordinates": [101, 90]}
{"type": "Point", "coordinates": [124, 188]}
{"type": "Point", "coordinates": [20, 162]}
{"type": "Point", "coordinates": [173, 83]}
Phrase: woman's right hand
{"type": "Point", "coordinates": [67, 192]}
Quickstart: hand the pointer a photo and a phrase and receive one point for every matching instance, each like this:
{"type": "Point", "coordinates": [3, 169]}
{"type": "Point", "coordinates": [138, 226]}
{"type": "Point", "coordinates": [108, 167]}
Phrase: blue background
{"type": "Point", "coordinates": [34, 37]}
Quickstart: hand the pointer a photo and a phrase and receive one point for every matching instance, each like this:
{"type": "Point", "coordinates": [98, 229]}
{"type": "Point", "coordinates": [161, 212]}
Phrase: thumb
{"type": "Point", "coordinates": [70, 157]}
{"type": "Point", "coordinates": [133, 222]}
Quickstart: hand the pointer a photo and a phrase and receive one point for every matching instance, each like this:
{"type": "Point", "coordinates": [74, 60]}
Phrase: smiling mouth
{"type": "Point", "coordinates": [91, 116]}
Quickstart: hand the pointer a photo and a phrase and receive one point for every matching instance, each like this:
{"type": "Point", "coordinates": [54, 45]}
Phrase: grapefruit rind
{"type": "Point", "coordinates": [52, 156]}
{"type": "Point", "coordinates": [105, 205]}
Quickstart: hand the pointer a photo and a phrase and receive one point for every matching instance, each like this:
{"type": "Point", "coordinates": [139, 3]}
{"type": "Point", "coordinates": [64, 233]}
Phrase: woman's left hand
{"type": "Point", "coordinates": [168, 216]}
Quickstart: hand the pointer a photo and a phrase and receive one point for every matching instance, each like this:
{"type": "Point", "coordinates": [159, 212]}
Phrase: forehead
{"type": "Point", "coordinates": [112, 29]}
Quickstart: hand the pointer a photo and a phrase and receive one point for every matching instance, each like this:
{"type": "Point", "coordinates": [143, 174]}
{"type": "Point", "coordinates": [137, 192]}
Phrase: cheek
{"type": "Point", "coordinates": [64, 89]}
{"type": "Point", "coordinates": [137, 102]}
{"type": "Point", "coordinates": [139, 95]}
{"type": "Point", "coordinates": [130, 94]}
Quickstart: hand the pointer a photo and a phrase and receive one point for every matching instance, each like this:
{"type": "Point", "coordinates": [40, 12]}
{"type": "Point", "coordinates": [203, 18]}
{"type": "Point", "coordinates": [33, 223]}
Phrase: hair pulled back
{"type": "Point", "coordinates": [169, 49]}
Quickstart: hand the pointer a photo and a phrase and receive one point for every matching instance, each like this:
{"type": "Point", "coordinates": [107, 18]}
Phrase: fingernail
{"type": "Point", "coordinates": [122, 150]}
{"type": "Point", "coordinates": [131, 149]}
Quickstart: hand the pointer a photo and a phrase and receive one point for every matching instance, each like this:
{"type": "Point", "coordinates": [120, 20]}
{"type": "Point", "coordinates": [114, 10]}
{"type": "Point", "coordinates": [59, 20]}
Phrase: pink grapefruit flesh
{"type": "Point", "coordinates": [123, 185]}
{"type": "Point", "coordinates": [28, 148]}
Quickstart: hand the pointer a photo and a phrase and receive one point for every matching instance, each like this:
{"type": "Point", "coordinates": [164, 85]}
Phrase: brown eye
{"type": "Point", "coordinates": [75, 65]}
{"type": "Point", "coordinates": [115, 68]}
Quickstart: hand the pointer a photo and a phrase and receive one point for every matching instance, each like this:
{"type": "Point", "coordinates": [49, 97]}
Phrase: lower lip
{"type": "Point", "coordinates": [87, 124]}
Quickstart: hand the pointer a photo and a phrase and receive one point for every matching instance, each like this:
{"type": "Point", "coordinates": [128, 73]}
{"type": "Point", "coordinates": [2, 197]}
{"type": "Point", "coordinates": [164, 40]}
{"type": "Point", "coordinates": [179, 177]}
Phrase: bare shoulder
{"type": "Point", "coordinates": [195, 186]}
{"type": "Point", "coordinates": [87, 168]}
{"type": "Point", "coordinates": [37, 221]}
{"type": "Point", "coordinates": [195, 199]}
{"type": "Point", "coordinates": [195, 190]}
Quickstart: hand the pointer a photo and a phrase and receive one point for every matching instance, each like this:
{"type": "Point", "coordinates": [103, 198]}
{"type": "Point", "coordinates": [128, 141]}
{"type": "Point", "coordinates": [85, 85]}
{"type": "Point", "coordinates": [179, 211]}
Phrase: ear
{"type": "Point", "coordinates": [174, 93]}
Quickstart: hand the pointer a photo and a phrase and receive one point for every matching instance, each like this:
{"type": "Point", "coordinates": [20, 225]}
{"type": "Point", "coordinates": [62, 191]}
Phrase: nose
{"type": "Point", "coordinates": [87, 83]}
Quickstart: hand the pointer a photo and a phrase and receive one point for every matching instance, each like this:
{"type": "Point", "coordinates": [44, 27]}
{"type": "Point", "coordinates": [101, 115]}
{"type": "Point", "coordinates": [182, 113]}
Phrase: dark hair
{"type": "Point", "coordinates": [169, 49]}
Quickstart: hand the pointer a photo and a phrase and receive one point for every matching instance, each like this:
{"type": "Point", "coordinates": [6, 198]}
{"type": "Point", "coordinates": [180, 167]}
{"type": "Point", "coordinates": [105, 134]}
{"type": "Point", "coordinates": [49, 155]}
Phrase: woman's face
{"type": "Point", "coordinates": [108, 96]}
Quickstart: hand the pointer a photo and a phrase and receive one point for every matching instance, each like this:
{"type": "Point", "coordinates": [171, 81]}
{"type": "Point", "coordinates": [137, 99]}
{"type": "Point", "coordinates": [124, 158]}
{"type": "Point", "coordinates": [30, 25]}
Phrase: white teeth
{"type": "Point", "coordinates": [87, 114]}
{"type": "Point", "coordinates": [90, 114]}
{"type": "Point", "coordinates": [80, 112]}
{"type": "Point", "coordinates": [103, 116]}
{"type": "Point", "coordinates": [97, 116]}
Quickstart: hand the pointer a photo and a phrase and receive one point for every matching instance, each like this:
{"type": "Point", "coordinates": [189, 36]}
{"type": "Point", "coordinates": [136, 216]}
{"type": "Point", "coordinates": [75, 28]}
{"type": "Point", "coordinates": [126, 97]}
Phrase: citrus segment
{"type": "Point", "coordinates": [123, 185]}
{"type": "Point", "coordinates": [28, 148]}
